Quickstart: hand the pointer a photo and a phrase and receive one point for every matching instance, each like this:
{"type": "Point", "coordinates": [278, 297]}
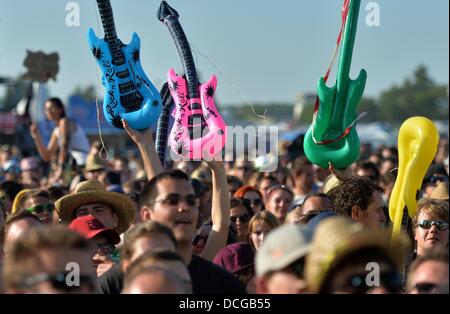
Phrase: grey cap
{"type": "Point", "coordinates": [283, 246]}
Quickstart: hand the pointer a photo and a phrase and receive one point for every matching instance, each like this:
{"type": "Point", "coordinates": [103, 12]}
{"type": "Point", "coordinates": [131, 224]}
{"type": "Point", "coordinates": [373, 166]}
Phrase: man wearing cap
{"type": "Point", "coordinates": [103, 241]}
{"type": "Point", "coordinates": [281, 259]}
{"type": "Point", "coordinates": [114, 210]}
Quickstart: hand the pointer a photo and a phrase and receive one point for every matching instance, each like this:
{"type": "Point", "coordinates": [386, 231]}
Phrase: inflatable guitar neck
{"type": "Point", "coordinates": [418, 140]}
{"type": "Point", "coordinates": [198, 131]}
{"type": "Point", "coordinates": [129, 95]}
{"type": "Point", "coordinates": [332, 136]}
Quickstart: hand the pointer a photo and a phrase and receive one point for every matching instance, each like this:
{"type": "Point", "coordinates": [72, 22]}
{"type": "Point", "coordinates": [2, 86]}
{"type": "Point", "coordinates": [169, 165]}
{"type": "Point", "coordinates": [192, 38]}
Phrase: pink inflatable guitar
{"type": "Point", "coordinates": [199, 131]}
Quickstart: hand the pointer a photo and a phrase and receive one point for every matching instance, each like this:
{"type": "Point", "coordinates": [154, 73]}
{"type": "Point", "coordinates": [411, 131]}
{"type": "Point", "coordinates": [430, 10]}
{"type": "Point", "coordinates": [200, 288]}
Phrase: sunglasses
{"type": "Point", "coordinates": [175, 199]}
{"type": "Point", "coordinates": [425, 287]}
{"type": "Point", "coordinates": [40, 209]}
{"type": "Point", "coordinates": [357, 283]}
{"type": "Point", "coordinates": [427, 224]}
{"type": "Point", "coordinates": [255, 202]}
{"type": "Point", "coordinates": [199, 237]}
{"type": "Point", "coordinates": [104, 249]}
{"type": "Point", "coordinates": [58, 281]}
{"type": "Point", "coordinates": [242, 218]}
{"type": "Point", "coordinates": [435, 179]}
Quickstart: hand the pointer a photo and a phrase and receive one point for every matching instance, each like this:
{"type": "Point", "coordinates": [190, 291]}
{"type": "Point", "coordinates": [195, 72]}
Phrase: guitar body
{"type": "Point", "coordinates": [198, 130]}
{"type": "Point", "coordinates": [333, 117]}
{"type": "Point", "coordinates": [129, 94]}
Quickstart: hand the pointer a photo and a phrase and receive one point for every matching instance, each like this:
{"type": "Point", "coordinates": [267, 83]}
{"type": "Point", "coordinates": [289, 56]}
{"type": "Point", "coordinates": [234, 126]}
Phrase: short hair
{"type": "Point", "coordinates": [318, 194]}
{"type": "Point", "coordinates": [25, 251]}
{"type": "Point", "coordinates": [368, 165]}
{"type": "Point", "coordinates": [21, 214]}
{"type": "Point", "coordinates": [148, 260]}
{"type": "Point", "coordinates": [353, 191]}
{"type": "Point", "coordinates": [130, 277]}
{"type": "Point", "coordinates": [150, 190]}
{"type": "Point", "coordinates": [437, 209]}
{"type": "Point", "coordinates": [144, 229]}
{"type": "Point", "coordinates": [27, 195]}
{"type": "Point", "coordinates": [435, 254]}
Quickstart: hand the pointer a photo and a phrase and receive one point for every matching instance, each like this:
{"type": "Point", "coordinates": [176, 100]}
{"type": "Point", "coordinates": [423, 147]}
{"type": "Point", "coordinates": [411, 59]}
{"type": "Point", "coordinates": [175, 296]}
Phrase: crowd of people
{"type": "Point", "coordinates": [221, 227]}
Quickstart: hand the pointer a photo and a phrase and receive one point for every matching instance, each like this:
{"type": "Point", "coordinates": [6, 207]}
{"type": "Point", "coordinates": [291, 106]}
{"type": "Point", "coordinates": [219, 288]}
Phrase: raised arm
{"type": "Point", "coordinates": [144, 141]}
{"type": "Point", "coordinates": [45, 152]}
{"type": "Point", "coordinates": [220, 211]}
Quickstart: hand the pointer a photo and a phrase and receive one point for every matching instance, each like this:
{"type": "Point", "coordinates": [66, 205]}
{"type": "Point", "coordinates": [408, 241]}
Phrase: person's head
{"type": "Point", "coordinates": [238, 259]}
{"type": "Point", "coordinates": [240, 215]}
{"type": "Point", "coordinates": [435, 174]}
{"type": "Point", "coordinates": [303, 173]}
{"type": "Point", "coordinates": [243, 169]}
{"type": "Point", "coordinates": [152, 280]}
{"type": "Point", "coordinates": [279, 200]}
{"type": "Point", "coordinates": [387, 165]}
{"type": "Point", "coordinates": [95, 168]}
{"type": "Point", "coordinates": [45, 260]}
{"type": "Point", "coordinates": [360, 199]}
{"type": "Point", "coordinates": [37, 202]}
{"type": "Point", "coordinates": [166, 260]}
{"type": "Point", "coordinates": [234, 183]}
{"type": "Point", "coordinates": [17, 225]}
{"type": "Point", "coordinates": [428, 273]}
{"type": "Point", "coordinates": [431, 225]}
{"type": "Point", "coordinates": [253, 195]}
{"type": "Point", "coordinates": [54, 109]}
{"type": "Point", "coordinates": [294, 216]}
{"type": "Point", "coordinates": [31, 171]}
{"type": "Point", "coordinates": [114, 210]}
{"type": "Point", "coordinates": [147, 236]}
{"type": "Point", "coordinates": [11, 170]}
{"type": "Point", "coordinates": [103, 240]}
{"type": "Point", "coordinates": [345, 256]}
{"type": "Point", "coordinates": [368, 169]}
{"type": "Point", "coordinates": [264, 184]}
{"type": "Point", "coordinates": [280, 262]}
{"type": "Point", "coordinates": [8, 191]}
{"type": "Point", "coordinates": [201, 237]}
{"type": "Point", "coordinates": [204, 195]}
{"type": "Point", "coordinates": [169, 198]}
{"type": "Point", "coordinates": [259, 227]}
{"type": "Point", "coordinates": [316, 202]}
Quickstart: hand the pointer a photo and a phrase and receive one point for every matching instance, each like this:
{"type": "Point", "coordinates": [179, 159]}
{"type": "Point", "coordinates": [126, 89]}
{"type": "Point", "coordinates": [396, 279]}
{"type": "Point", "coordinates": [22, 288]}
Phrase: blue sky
{"type": "Point", "coordinates": [261, 50]}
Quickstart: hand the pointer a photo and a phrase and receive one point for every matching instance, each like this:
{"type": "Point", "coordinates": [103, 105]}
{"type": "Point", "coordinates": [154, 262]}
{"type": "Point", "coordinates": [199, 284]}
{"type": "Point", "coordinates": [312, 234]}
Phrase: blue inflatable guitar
{"type": "Point", "coordinates": [129, 93]}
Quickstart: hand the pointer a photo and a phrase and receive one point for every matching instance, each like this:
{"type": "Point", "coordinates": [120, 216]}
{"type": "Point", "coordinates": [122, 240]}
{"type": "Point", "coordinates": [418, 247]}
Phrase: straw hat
{"type": "Point", "coordinates": [93, 191]}
{"type": "Point", "coordinates": [94, 162]}
{"type": "Point", "coordinates": [440, 192]}
{"type": "Point", "coordinates": [337, 237]}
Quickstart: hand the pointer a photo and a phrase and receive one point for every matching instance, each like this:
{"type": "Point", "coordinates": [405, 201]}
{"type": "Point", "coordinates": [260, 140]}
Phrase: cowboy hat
{"type": "Point", "coordinates": [337, 237]}
{"type": "Point", "coordinates": [93, 191]}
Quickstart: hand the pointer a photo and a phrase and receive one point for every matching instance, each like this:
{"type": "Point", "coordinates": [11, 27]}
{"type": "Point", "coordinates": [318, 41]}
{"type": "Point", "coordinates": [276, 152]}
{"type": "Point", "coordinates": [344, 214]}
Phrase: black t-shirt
{"type": "Point", "coordinates": [111, 282]}
{"type": "Point", "coordinates": [207, 278]}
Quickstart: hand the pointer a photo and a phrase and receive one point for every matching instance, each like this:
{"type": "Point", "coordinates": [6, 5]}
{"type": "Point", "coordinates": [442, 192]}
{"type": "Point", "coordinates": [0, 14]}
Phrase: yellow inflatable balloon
{"type": "Point", "coordinates": [417, 145]}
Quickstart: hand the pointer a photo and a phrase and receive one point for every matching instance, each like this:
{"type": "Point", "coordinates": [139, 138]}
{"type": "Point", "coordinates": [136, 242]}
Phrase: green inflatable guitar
{"type": "Point", "coordinates": [332, 136]}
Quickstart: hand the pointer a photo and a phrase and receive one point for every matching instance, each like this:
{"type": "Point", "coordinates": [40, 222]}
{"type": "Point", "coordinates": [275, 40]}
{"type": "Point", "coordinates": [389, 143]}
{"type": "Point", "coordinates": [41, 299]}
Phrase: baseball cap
{"type": "Point", "coordinates": [11, 166]}
{"type": "Point", "coordinates": [283, 246]}
{"type": "Point", "coordinates": [235, 257]}
{"type": "Point", "coordinates": [90, 227]}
